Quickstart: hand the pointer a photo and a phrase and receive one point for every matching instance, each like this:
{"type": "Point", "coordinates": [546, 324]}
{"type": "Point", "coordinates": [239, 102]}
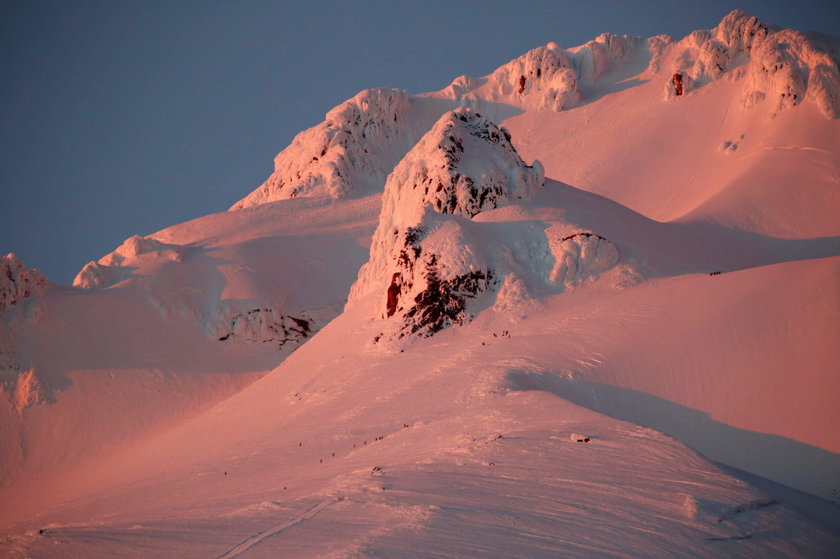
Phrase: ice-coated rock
{"type": "Point", "coordinates": [780, 66]}
{"type": "Point", "coordinates": [17, 282]}
{"type": "Point", "coordinates": [262, 325]}
{"type": "Point", "coordinates": [426, 260]}
{"type": "Point", "coordinates": [353, 149]}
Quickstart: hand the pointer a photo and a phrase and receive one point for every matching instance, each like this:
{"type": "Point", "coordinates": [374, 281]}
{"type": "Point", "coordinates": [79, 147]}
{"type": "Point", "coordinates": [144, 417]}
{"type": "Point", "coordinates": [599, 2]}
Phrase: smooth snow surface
{"type": "Point", "coordinates": [529, 315]}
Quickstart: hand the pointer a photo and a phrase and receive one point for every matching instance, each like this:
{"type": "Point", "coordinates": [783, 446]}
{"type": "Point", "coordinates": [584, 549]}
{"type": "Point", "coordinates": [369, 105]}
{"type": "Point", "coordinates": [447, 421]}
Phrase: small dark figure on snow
{"type": "Point", "coordinates": [521, 84]}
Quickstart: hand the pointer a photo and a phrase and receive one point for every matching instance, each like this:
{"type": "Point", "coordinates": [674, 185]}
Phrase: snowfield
{"type": "Point", "coordinates": [557, 311]}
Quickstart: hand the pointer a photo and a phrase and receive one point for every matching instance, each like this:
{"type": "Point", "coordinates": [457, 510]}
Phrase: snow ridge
{"type": "Point", "coordinates": [349, 151]}
{"type": "Point", "coordinates": [425, 260]}
{"type": "Point", "coordinates": [113, 267]}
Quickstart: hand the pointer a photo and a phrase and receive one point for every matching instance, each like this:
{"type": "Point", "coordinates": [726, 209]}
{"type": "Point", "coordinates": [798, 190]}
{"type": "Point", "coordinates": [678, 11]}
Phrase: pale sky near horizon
{"type": "Point", "coordinates": [122, 118]}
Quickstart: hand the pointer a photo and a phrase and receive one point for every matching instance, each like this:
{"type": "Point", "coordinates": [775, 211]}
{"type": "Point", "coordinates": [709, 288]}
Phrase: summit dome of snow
{"type": "Point", "coordinates": [351, 151]}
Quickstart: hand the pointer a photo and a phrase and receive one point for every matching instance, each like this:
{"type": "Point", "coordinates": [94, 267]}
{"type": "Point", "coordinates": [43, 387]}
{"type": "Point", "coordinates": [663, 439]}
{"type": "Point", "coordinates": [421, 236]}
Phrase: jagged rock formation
{"type": "Point", "coordinates": [263, 325]}
{"type": "Point", "coordinates": [17, 282]}
{"type": "Point", "coordinates": [354, 149]}
{"type": "Point", "coordinates": [781, 66]}
{"type": "Point", "coordinates": [425, 262]}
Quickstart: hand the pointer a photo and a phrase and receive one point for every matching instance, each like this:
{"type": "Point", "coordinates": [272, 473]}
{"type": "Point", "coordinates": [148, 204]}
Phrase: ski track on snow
{"type": "Point", "coordinates": [259, 537]}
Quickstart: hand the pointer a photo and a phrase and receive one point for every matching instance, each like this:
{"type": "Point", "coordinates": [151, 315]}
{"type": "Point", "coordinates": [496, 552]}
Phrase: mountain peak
{"type": "Point", "coordinates": [424, 264]}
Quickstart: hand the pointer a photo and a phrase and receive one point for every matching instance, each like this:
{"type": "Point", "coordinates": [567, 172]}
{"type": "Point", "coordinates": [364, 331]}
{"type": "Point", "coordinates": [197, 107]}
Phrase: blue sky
{"type": "Point", "coordinates": [125, 117]}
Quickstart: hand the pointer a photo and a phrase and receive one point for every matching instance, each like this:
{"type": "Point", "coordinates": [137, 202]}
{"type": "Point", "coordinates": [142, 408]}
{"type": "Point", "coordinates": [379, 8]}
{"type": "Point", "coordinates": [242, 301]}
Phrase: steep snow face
{"type": "Point", "coordinates": [607, 52]}
{"type": "Point", "coordinates": [350, 152]}
{"type": "Point", "coordinates": [427, 260]}
{"type": "Point", "coordinates": [17, 282]}
{"type": "Point", "coordinates": [783, 67]}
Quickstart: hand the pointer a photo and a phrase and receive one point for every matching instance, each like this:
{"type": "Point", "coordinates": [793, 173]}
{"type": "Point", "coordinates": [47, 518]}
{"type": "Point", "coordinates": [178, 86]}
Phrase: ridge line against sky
{"type": "Point", "coordinates": [125, 118]}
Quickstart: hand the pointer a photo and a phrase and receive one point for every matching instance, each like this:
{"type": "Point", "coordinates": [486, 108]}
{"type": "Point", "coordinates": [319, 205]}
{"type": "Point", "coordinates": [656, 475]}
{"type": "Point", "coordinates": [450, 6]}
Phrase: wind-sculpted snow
{"type": "Point", "coordinates": [783, 67]}
{"type": "Point", "coordinates": [17, 282]}
{"type": "Point", "coordinates": [580, 256]}
{"type": "Point", "coordinates": [112, 268]}
{"type": "Point", "coordinates": [353, 150]}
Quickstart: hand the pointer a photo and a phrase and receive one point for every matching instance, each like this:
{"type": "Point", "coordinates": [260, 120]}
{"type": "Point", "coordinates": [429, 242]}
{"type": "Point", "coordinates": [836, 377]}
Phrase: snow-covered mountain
{"type": "Point", "coordinates": [584, 306]}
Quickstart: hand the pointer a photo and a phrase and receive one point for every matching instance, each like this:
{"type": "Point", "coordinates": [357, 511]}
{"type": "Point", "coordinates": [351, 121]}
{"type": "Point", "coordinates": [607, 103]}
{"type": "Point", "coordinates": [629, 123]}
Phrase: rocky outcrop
{"type": "Point", "coordinates": [352, 151]}
{"type": "Point", "coordinates": [780, 66]}
{"type": "Point", "coordinates": [263, 325]}
{"type": "Point", "coordinates": [17, 282]}
{"type": "Point", "coordinates": [426, 261]}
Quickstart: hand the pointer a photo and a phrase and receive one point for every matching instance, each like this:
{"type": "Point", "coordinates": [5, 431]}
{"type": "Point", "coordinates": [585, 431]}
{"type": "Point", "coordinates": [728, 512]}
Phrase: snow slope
{"type": "Point", "coordinates": [662, 276]}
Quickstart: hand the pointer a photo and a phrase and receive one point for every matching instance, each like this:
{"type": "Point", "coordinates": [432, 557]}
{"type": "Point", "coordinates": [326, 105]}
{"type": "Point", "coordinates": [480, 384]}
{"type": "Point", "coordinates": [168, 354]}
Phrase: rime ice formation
{"type": "Point", "coordinates": [549, 77]}
{"type": "Point", "coordinates": [351, 151]}
{"type": "Point", "coordinates": [17, 282]}
{"type": "Point", "coordinates": [542, 78]}
{"type": "Point", "coordinates": [783, 67]}
{"type": "Point", "coordinates": [426, 261]}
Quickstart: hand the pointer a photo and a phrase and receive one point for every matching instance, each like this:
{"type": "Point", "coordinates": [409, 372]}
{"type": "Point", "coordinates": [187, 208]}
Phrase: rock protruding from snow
{"type": "Point", "coordinates": [783, 67]}
{"type": "Point", "coordinates": [426, 261]}
{"type": "Point", "coordinates": [263, 325]}
{"type": "Point", "coordinates": [542, 78]}
{"type": "Point", "coordinates": [17, 282]}
{"type": "Point", "coordinates": [351, 151]}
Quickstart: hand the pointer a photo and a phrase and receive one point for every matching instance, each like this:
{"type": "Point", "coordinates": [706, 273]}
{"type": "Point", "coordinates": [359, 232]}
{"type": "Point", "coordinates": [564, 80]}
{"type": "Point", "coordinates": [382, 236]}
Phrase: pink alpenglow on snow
{"type": "Point", "coordinates": [577, 307]}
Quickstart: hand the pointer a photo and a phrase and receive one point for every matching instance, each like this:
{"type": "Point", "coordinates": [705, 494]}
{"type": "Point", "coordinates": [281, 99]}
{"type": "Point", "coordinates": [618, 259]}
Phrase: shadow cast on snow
{"type": "Point", "coordinates": [782, 459]}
